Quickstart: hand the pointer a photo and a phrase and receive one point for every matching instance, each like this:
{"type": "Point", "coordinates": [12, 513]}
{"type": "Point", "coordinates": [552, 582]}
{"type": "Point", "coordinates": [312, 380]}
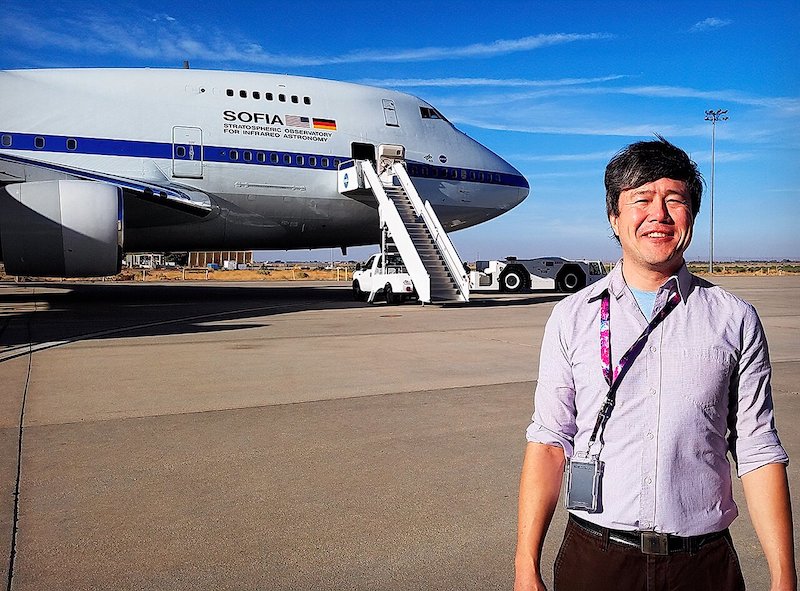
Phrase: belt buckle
{"type": "Point", "coordinates": [654, 543]}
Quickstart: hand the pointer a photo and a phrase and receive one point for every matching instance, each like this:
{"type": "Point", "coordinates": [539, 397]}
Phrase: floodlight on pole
{"type": "Point", "coordinates": [713, 116]}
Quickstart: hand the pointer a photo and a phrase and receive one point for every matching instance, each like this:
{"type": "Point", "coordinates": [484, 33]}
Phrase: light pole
{"type": "Point", "coordinates": [713, 116]}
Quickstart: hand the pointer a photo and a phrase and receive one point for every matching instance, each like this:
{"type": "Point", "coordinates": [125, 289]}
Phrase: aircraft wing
{"type": "Point", "coordinates": [16, 169]}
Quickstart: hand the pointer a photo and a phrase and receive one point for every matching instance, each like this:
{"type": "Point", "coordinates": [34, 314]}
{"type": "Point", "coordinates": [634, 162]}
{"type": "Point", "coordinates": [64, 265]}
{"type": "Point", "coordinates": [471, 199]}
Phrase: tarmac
{"type": "Point", "coordinates": [282, 436]}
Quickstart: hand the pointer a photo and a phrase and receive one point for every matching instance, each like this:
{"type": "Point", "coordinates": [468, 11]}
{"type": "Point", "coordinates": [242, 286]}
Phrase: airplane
{"type": "Point", "coordinates": [98, 162]}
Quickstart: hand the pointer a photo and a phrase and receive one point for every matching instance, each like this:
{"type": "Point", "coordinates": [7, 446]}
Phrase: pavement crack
{"type": "Point", "coordinates": [15, 519]}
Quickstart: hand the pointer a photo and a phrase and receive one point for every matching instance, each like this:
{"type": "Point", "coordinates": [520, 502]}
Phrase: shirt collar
{"type": "Point", "coordinates": [685, 281]}
{"type": "Point", "coordinates": [615, 284]}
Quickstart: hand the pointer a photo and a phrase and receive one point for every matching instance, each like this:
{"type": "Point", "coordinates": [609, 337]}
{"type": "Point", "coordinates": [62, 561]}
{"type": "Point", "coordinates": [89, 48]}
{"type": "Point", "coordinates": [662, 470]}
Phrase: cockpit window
{"type": "Point", "coordinates": [431, 113]}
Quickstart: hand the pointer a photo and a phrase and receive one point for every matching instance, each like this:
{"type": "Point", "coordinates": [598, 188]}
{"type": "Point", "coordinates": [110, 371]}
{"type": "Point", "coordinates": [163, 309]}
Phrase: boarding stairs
{"type": "Point", "coordinates": [411, 228]}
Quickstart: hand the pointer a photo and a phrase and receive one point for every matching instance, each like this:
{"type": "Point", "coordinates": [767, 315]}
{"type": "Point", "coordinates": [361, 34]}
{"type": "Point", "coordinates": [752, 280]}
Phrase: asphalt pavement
{"type": "Point", "coordinates": [282, 436]}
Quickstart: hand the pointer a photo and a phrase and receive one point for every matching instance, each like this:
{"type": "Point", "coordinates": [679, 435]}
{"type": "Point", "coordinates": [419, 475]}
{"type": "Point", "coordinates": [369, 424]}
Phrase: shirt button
{"type": "Point", "coordinates": [645, 524]}
{"type": "Point", "coordinates": [649, 435]}
{"type": "Point", "coordinates": [652, 391]}
{"type": "Point", "coordinates": [648, 480]}
{"type": "Point", "coordinates": [653, 349]}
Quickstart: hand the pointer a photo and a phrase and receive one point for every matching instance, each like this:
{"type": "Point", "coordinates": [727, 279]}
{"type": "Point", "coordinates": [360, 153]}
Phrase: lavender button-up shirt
{"type": "Point", "coordinates": [699, 389]}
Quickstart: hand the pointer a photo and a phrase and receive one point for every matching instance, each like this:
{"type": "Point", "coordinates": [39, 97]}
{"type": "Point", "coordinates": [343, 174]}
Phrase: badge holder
{"type": "Point", "coordinates": [582, 483]}
{"type": "Point", "coordinates": [583, 472]}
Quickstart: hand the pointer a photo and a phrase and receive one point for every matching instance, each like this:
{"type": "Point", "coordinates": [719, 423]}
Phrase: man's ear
{"type": "Point", "coordinates": [612, 219]}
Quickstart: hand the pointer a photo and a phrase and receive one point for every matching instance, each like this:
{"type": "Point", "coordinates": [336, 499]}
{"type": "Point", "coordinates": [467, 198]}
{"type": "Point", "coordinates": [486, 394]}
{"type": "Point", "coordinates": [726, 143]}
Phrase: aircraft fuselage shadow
{"type": "Point", "coordinates": [41, 315]}
{"type": "Point", "coordinates": [36, 314]}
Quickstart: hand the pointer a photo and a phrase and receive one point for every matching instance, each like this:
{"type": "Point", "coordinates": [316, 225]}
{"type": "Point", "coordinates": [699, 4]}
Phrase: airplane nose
{"type": "Point", "coordinates": [524, 191]}
{"type": "Point", "coordinates": [523, 188]}
{"type": "Point", "coordinates": [511, 187]}
{"type": "Point", "coordinates": [514, 186]}
{"type": "Point", "coordinates": [506, 187]}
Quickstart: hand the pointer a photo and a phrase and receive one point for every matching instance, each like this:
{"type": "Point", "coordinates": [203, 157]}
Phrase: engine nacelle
{"type": "Point", "coordinates": [63, 228]}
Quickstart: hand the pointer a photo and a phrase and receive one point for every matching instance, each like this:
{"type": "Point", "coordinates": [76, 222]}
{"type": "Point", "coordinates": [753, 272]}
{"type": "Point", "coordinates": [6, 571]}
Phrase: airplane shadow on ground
{"type": "Point", "coordinates": [37, 316]}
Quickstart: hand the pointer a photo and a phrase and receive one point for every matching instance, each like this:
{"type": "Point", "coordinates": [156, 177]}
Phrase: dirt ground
{"type": "Point", "coordinates": [244, 275]}
{"type": "Point", "coordinates": [296, 274]}
{"type": "Point", "coordinates": [345, 274]}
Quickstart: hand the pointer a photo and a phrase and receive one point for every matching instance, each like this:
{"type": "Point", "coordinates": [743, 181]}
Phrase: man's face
{"type": "Point", "coordinates": [654, 225]}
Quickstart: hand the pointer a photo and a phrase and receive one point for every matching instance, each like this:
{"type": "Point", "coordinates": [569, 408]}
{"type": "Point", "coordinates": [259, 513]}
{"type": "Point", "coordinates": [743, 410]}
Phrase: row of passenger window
{"type": "Point", "coordinates": [39, 142]}
{"type": "Point", "coordinates": [436, 172]}
{"type": "Point", "coordinates": [268, 96]}
{"type": "Point", "coordinates": [455, 174]}
{"type": "Point", "coordinates": [287, 159]}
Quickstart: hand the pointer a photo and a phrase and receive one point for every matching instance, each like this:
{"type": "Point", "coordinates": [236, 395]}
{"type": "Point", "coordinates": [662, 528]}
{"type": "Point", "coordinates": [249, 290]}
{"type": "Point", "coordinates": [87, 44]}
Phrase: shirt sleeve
{"type": "Point", "coordinates": [553, 420]}
{"type": "Point", "coordinates": [753, 437]}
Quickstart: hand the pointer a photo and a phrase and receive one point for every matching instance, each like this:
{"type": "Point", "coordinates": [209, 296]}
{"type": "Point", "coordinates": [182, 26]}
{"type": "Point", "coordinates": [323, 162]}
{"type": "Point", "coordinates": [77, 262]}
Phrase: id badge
{"type": "Point", "coordinates": [582, 482]}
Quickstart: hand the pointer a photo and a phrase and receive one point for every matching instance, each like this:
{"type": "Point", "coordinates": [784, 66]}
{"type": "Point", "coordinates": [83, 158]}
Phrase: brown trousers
{"type": "Point", "coordinates": [586, 562]}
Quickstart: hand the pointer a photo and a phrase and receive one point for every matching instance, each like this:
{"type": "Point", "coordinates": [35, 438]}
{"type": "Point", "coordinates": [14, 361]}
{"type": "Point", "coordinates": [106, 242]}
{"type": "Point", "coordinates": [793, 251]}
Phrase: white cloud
{"type": "Point", "coordinates": [723, 154]}
{"type": "Point", "coordinates": [641, 129]}
{"type": "Point", "coordinates": [466, 82]}
{"type": "Point", "coordinates": [783, 106]}
{"type": "Point", "coordinates": [709, 24]}
{"type": "Point", "coordinates": [163, 37]}
{"type": "Point", "coordinates": [789, 105]}
{"type": "Point", "coordinates": [584, 157]}
{"type": "Point", "coordinates": [499, 47]}
{"type": "Point", "coordinates": [164, 17]}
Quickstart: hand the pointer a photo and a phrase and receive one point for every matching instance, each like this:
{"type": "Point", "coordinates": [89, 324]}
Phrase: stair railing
{"type": "Point", "coordinates": [440, 237]}
{"type": "Point", "coordinates": [389, 215]}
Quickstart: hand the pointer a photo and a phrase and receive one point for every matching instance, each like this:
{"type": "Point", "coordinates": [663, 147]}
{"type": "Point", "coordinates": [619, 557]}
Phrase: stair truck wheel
{"type": "Point", "coordinates": [391, 297]}
{"type": "Point", "coordinates": [358, 295]}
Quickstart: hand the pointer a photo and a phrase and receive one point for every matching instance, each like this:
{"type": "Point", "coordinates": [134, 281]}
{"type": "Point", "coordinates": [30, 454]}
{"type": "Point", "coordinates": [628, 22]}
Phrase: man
{"type": "Point", "coordinates": [650, 486]}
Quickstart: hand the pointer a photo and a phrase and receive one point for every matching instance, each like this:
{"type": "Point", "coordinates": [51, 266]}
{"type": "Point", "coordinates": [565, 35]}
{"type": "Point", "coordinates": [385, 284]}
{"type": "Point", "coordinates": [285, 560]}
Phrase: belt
{"type": "Point", "coordinates": [650, 542]}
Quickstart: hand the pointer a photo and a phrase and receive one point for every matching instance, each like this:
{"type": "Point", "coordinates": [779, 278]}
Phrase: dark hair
{"type": "Point", "coordinates": [644, 162]}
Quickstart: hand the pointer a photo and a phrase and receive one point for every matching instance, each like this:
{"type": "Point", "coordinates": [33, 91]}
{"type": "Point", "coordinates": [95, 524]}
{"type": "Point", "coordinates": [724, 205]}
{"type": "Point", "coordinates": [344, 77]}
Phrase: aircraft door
{"type": "Point", "coordinates": [362, 151]}
{"type": "Point", "coordinates": [187, 152]}
{"type": "Point", "coordinates": [389, 113]}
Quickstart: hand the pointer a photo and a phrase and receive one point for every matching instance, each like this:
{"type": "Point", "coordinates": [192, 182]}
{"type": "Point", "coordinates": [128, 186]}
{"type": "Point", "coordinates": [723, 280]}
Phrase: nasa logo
{"type": "Point", "coordinates": [442, 158]}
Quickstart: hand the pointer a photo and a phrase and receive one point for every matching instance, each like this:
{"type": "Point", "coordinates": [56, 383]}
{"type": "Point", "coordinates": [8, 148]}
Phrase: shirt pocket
{"type": "Point", "coordinates": [590, 384]}
{"type": "Point", "coordinates": [703, 377]}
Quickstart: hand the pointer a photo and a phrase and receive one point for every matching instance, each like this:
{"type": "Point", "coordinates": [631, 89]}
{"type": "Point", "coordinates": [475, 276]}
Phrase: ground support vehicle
{"type": "Point", "coordinates": [514, 275]}
{"type": "Point", "coordinates": [390, 282]}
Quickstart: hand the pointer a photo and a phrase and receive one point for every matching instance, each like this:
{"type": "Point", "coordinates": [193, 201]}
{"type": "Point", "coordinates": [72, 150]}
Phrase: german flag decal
{"type": "Point", "coordinates": [328, 124]}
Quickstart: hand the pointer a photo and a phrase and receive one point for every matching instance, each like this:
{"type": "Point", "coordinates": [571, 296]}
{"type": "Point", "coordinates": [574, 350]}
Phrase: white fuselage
{"type": "Point", "coordinates": [263, 148]}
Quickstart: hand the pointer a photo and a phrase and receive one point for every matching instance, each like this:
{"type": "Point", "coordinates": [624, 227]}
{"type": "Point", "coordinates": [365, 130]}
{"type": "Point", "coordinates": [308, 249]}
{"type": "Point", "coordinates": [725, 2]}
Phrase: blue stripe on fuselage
{"type": "Point", "coordinates": [161, 150]}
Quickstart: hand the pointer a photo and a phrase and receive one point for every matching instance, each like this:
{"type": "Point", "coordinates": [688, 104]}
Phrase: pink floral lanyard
{"type": "Point", "coordinates": [628, 358]}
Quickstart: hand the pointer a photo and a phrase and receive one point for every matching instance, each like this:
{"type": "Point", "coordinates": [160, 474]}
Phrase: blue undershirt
{"type": "Point", "coordinates": [645, 299]}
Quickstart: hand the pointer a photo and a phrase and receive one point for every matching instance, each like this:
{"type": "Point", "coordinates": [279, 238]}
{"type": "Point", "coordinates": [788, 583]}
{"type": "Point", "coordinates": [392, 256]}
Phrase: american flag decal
{"type": "Point", "coordinates": [297, 121]}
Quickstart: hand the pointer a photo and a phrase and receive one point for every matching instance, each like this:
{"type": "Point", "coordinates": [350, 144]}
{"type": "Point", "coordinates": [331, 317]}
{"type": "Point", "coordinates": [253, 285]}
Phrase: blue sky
{"type": "Point", "coordinates": [556, 88]}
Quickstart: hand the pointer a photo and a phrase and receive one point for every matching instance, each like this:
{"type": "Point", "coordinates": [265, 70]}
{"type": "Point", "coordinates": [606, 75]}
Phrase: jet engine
{"type": "Point", "coordinates": [62, 228]}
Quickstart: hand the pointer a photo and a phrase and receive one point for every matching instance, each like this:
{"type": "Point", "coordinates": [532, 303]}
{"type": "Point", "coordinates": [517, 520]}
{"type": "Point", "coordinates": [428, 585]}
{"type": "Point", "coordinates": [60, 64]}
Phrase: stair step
{"type": "Point", "coordinates": [442, 285]}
